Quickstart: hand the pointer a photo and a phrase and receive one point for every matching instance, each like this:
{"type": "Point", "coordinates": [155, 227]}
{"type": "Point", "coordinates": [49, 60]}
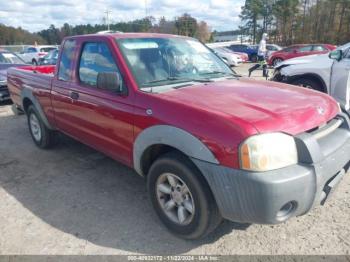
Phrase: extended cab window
{"type": "Point", "coordinates": [95, 58]}
{"type": "Point", "coordinates": [65, 69]}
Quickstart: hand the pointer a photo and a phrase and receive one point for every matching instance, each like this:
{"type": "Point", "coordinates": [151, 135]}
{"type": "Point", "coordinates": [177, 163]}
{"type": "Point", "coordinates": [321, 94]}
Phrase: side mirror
{"type": "Point", "coordinates": [336, 55]}
{"type": "Point", "coordinates": [110, 81]}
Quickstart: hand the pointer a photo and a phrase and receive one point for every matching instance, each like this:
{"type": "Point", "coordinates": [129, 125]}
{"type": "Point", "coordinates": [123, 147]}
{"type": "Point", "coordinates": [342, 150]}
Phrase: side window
{"type": "Point", "coordinates": [65, 69]}
{"type": "Point", "coordinates": [319, 48]}
{"type": "Point", "coordinates": [347, 54]}
{"type": "Point", "coordinates": [95, 58]}
{"type": "Point", "coordinates": [307, 48]}
{"type": "Point", "coordinates": [288, 50]}
{"type": "Point", "coordinates": [32, 50]}
{"type": "Point", "coordinates": [271, 48]}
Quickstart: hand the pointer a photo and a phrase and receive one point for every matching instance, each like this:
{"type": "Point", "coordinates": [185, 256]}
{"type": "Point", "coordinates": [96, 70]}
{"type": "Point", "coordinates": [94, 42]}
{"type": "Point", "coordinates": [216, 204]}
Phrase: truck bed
{"type": "Point", "coordinates": [33, 77]}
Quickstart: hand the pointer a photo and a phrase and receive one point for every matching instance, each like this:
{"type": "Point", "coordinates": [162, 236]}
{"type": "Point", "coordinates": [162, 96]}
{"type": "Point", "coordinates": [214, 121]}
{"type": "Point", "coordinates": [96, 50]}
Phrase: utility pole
{"type": "Point", "coordinates": [107, 12]}
{"type": "Point", "coordinates": [146, 11]}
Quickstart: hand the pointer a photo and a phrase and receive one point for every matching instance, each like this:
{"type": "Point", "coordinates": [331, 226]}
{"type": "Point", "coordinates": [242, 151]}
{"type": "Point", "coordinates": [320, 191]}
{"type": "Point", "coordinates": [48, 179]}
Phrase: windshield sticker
{"type": "Point", "coordinates": [140, 45]}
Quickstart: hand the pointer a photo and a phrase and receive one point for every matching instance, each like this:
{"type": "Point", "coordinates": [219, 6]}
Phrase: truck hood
{"type": "Point", "coordinates": [311, 59]}
{"type": "Point", "coordinates": [267, 106]}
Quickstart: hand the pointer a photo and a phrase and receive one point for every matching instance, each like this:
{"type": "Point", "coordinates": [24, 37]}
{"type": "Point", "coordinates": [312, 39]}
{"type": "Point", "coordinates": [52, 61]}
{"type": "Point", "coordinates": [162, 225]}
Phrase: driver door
{"type": "Point", "coordinates": [340, 80]}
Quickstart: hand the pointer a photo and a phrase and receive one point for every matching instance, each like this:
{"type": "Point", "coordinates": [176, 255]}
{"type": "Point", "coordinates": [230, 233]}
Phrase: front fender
{"type": "Point", "coordinates": [170, 136]}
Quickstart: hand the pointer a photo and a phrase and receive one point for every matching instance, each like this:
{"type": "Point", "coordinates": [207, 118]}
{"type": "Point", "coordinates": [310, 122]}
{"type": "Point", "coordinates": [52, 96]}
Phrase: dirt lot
{"type": "Point", "coordinates": [74, 200]}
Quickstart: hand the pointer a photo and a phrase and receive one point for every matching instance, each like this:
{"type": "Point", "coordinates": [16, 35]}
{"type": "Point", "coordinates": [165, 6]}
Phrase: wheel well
{"type": "Point", "coordinates": [152, 153]}
{"type": "Point", "coordinates": [277, 58]}
{"type": "Point", "coordinates": [315, 78]}
{"type": "Point", "coordinates": [26, 103]}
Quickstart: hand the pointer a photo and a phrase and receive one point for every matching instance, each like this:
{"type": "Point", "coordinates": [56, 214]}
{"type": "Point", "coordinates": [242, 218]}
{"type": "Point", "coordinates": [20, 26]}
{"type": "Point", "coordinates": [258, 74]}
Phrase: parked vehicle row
{"type": "Point", "coordinates": [327, 73]}
{"type": "Point", "coordinates": [211, 145]}
{"type": "Point", "coordinates": [297, 51]}
{"type": "Point", "coordinates": [7, 60]}
{"type": "Point", "coordinates": [32, 54]}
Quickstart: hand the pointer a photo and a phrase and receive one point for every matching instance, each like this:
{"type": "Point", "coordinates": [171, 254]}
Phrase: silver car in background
{"type": "Point", "coordinates": [32, 54]}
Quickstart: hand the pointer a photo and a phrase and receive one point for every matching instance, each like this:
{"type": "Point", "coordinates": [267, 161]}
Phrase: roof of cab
{"type": "Point", "coordinates": [129, 35]}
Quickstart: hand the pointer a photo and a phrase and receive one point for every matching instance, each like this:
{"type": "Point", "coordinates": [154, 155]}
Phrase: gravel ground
{"type": "Point", "coordinates": [74, 200]}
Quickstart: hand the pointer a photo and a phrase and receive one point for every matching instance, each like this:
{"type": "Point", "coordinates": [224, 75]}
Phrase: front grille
{"type": "Point", "coordinates": [326, 129]}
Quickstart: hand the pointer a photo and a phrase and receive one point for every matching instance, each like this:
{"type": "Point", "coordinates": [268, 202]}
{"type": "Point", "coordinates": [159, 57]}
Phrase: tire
{"type": "Point", "coordinates": [16, 111]}
{"type": "Point", "coordinates": [308, 83]}
{"type": "Point", "coordinates": [276, 61]}
{"type": "Point", "coordinates": [42, 136]}
{"type": "Point", "coordinates": [205, 216]}
{"type": "Point", "coordinates": [254, 58]}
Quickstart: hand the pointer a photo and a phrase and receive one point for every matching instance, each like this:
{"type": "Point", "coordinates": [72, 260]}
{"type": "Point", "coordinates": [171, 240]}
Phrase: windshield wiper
{"type": "Point", "coordinates": [218, 73]}
{"type": "Point", "coordinates": [170, 78]}
{"type": "Point", "coordinates": [178, 80]}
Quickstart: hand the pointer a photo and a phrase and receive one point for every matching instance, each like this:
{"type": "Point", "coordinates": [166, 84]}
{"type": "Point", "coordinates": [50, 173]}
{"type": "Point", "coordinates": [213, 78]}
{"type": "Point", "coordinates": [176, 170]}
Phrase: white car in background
{"type": "Point", "coordinates": [32, 54]}
{"type": "Point", "coordinates": [328, 73]}
{"type": "Point", "coordinates": [228, 56]}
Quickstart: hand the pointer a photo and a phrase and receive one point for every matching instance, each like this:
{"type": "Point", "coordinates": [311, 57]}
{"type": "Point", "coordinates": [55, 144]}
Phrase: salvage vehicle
{"type": "Point", "coordinates": [211, 145]}
{"type": "Point", "coordinates": [294, 51]}
{"type": "Point", "coordinates": [7, 60]}
{"type": "Point", "coordinates": [329, 73]}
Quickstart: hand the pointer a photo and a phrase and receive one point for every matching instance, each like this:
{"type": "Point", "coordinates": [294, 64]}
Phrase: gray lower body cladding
{"type": "Point", "coordinates": [273, 197]}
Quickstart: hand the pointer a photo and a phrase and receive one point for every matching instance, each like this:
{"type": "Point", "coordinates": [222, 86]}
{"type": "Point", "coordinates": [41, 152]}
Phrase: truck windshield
{"type": "Point", "coordinates": [164, 61]}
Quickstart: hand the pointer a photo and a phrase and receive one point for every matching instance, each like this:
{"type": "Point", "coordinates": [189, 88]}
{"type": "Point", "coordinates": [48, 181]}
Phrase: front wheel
{"type": "Point", "coordinates": [41, 135]}
{"type": "Point", "coordinates": [277, 61]}
{"type": "Point", "coordinates": [181, 197]}
{"type": "Point", "coordinates": [307, 83]}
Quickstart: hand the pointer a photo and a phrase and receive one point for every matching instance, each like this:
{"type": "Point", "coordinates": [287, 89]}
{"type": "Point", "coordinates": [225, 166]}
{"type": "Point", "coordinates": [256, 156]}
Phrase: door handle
{"type": "Point", "coordinates": [74, 95]}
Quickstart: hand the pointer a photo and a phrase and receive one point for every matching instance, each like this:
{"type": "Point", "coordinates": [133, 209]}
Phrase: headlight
{"type": "Point", "coordinates": [268, 152]}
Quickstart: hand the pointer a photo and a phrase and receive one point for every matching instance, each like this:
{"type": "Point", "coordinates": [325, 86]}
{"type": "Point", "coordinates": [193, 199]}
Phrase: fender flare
{"type": "Point", "coordinates": [27, 92]}
{"type": "Point", "coordinates": [170, 136]}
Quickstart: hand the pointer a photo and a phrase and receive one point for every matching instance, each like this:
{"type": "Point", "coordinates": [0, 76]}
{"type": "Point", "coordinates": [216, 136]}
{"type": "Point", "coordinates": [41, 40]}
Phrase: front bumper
{"type": "Point", "coordinates": [275, 196]}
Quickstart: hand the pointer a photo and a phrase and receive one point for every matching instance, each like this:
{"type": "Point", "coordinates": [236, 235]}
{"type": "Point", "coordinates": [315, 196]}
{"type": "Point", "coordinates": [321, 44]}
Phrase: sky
{"type": "Point", "coordinates": [35, 15]}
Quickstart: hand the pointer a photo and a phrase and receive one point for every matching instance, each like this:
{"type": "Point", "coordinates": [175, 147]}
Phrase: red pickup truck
{"type": "Point", "coordinates": [212, 145]}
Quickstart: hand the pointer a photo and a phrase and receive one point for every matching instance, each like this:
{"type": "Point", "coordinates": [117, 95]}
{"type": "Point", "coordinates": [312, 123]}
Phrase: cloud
{"type": "Point", "coordinates": [35, 15]}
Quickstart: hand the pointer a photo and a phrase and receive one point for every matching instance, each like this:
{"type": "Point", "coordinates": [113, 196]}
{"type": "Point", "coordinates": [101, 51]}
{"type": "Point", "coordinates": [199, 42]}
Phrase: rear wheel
{"type": "Point", "coordinates": [41, 135]}
{"type": "Point", "coordinates": [181, 198]}
{"type": "Point", "coordinates": [254, 58]}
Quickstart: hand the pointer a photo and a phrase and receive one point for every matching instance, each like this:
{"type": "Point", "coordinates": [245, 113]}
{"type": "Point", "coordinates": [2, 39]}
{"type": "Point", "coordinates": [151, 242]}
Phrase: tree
{"type": "Point", "coordinates": [250, 14]}
{"type": "Point", "coordinates": [186, 25]}
{"type": "Point", "coordinates": [203, 32]}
